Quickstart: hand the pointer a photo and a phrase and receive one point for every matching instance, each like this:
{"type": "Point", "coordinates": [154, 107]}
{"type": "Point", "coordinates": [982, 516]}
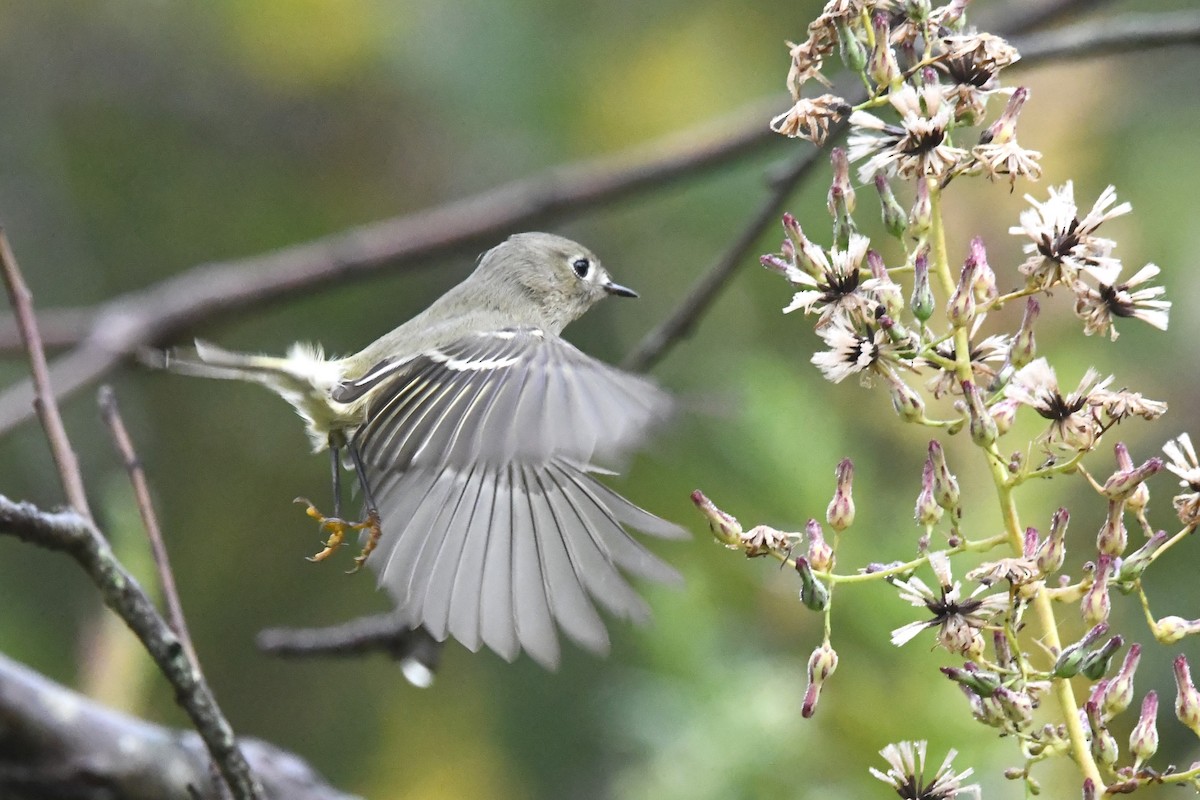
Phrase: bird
{"type": "Point", "coordinates": [478, 435]}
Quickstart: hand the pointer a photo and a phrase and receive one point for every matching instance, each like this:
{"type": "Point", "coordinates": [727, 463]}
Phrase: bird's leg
{"type": "Point", "coordinates": [372, 524]}
{"type": "Point", "coordinates": [336, 526]}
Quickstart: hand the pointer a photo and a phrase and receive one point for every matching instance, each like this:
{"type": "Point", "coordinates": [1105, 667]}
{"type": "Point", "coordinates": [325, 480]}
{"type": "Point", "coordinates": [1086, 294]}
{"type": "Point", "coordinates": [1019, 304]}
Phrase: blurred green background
{"type": "Point", "coordinates": [140, 138]}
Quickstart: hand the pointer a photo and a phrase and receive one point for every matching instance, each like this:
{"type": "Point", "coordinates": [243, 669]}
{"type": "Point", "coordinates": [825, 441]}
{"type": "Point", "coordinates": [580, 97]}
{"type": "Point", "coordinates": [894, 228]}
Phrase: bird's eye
{"type": "Point", "coordinates": [581, 266]}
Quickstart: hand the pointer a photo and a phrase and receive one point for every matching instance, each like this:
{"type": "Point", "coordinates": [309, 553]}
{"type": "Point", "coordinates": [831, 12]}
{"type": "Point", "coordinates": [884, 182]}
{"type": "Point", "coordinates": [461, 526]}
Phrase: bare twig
{"type": "Point", "coordinates": [44, 398]}
{"type": "Point", "coordinates": [72, 533]}
{"type": "Point", "coordinates": [55, 743]}
{"type": "Point", "coordinates": [1124, 34]}
{"type": "Point", "coordinates": [387, 633]}
{"type": "Point", "coordinates": [141, 493]}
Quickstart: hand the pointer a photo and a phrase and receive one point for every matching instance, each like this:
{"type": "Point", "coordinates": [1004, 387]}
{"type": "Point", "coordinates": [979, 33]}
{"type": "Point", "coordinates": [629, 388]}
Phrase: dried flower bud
{"type": "Point", "coordinates": [1095, 664]}
{"type": "Point", "coordinates": [1053, 551]}
{"type": "Point", "coordinates": [922, 301]}
{"type": "Point", "coordinates": [1119, 693]}
{"type": "Point", "coordinates": [927, 512]}
{"type": "Point", "coordinates": [1123, 482]}
{"type": "Point", "coordinates": [841, 199]}
{"type": "Point", "coordinates": [945, 485]}
{"type": "Point", "coordinates": [883, 68]}
{"type": "Point", "coordinates": [1143, 741]}
{"type": "Point", "coordinates": [1113, 537]}
{"type": "Point", "coordinates": [724, 526]}
{"type": "Point", "coordinates": [1104, 746]}
{"type": "Point", "coordinates": [1187, 699]}
{"type": "Point", "coordinates": [762, 540]}
{"type": "Point", "coordinates": [1169, 630]}
{"type": "Point", "coordinates": [1096, 602]}
{"type": "Point", "coordinates": [820, 554]}
{"type": "Point", "coordinates": [1018, 706]}
{"type": "Point", "coordinates": [960, 310]}
{"type": "Point", "coordinates": [1002, 648]}
{"type": "Point", "coordinates": [981, 682]}
{"type": "Point", "coordinates": [1070, 660]}
{"type": "Point", "coordinates": [920, 218]}
{"type": "Point", "coordinates": [1024, 348]}
{"type": "Point", "coordinates": [982, 427]}
{"type": "Point", "coordinates": [895, 220]}
{"type": "Point", "coordinates": [821, 664]}
{"type": "Point", "coordinates": [906, 401]}
{"type": "Point", "coordinates": [840, 514]}
{"type": "Point", "coordinates": [813, 593]}
{"type": "Point", "coordinates": [984, 287]}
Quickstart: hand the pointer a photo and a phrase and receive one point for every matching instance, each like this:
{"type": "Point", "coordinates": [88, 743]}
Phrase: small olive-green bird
{"type": "Point", "coordinates": [477, 433]}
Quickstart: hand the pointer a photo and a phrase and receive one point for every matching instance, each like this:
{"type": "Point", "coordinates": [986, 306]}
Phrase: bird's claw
{"type": "Point", "coordinates": [338, 529]}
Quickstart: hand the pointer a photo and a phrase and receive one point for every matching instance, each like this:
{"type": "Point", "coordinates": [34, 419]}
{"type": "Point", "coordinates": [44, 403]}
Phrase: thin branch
{"type": "Point", "coordinates": [76, 535]}
{"type": "Point", "coordinates": [705, 290]}
{"type": "Point", "coordinates": [141, 493]}
{"type": "Point", "coordinates": [56, 743]}
{"type": "Point", "coordinates": [43, 401]}
{"type": "Point", "coordinates": [387, 633]}
{"type": "Point", "coordinates": [1124, 34]}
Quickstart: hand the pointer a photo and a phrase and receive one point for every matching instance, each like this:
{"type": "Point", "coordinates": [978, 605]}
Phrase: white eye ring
{"type": "Point", "coordinates": [582, 267]}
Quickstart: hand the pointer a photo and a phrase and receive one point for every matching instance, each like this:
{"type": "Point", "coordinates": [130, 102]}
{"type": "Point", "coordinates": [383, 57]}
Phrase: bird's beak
{"type": "Point", "coordinates": [618, 289]}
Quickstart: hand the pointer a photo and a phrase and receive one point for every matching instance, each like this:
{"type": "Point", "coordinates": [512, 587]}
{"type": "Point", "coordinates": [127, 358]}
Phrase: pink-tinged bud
{"type": "Point", "coordinates": [1187, 699]}
{"type": "Point", "coordinates": [1119, 693]}
{"type": "Point", "coordinates": [883, 68]}
{"type": "Point", "coordinates": [981, 682]}
{"type": "Point", "coordinates": [724, 526]}
{"type": "Point", "coordinates": [961, 308]}
{"type": "Point", "coordinates": [1002, 648]}
{"type": "Point", "coordinates": [1133, 566]}
{"type": "Point", "coordinates": [945, 485]}
{"type": "Point", "coordinates": [1122, 483]}
{"type": "Point", "coordinates": [813, 592]}
{"type": "Point", "coordinates": [1018, 706]}
{"type": "Point", "coordinates": [820, 554]}
{"type": "Point", "coordinates": [952, 14]}
{"type": "Point", "coordinates": [1113, 537]}
{"type": "Point", "coordinates": [1137, 499]}
{"type": "Point", "coordinates": [821, 664]}
{"type": "Point", "coordinates": [1054, 550]}
{"type": "Point", "coordinates": [922, 301]}
{"type": "Point", "coordinates": [890, 293]}
{"type": "Point", "coordinates": [1143, 741]}
{"type": "Point", "coordinates": [1096, 602]}
{"type": "Point", "coordinates": [1104, 746]}
{"type": "Point", "coordinates": [906, 401]}
{"type": "Point", "coordinates": [1004, 413]}
{"type": "Point", "coordinates": [1024, 348]}
{"type": "Point", "coordinates": [982, 427]}
{"type": "Point", "coordinates": [1070, 660]}
{"type": "Point", "coordinates": [1089, 789]}
{"type": "Point", "coordinates": [778, 265]}
{"type": "Point", "coordinates": [984, 287]}
{"type": "Point", "coordinates": [927, 512]}
{"type": "Point", "coordinates": [895, 220]}
{"type": "Point", "coordinates": [840, 514]}
{"type": "Point", "coordinates": [1169, 630]}
{"type": "Point", "coordinates": [920, 219]}
{"type": "Point", "coordinates": [1029, 545]}
{"type": "Point", "coordinates": [1004, 129]}
{"type": "Point", "coordinates": [841, 199]}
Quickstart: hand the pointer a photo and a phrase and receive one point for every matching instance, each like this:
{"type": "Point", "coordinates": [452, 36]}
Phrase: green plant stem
{"type": "Point", "coordinates": [1042, 606]}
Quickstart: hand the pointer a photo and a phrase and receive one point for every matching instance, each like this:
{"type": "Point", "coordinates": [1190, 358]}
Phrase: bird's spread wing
{"type": "Point", "coordinates": [479, 455]}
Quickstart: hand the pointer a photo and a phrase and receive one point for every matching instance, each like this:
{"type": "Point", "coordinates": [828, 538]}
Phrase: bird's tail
{"type": "Point", "coordinates": [205, 360]}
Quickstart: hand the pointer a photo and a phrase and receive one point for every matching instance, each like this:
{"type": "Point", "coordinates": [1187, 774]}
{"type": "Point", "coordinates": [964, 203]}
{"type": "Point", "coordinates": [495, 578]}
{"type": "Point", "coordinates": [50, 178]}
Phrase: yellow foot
{"type": "Point", "coordinates": [338, 528]}
{"type": "Point", "coordinates": [372, 525]}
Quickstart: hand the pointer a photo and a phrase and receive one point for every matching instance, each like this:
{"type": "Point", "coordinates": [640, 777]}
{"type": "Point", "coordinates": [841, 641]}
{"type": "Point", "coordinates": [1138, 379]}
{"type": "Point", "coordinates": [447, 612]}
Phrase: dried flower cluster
{"type": "Point", "coordinates": [894, 311]}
